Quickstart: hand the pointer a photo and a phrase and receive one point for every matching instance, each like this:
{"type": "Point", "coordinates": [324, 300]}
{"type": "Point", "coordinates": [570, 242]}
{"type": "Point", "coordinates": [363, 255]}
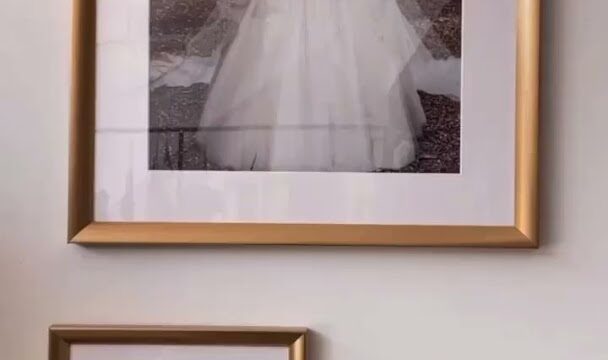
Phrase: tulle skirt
{"type": "Point", "coordinates": [315, 85]}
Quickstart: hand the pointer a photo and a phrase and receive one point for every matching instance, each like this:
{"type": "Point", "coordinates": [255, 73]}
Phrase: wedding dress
{"type": "Point", "coordinates": [314, 85]}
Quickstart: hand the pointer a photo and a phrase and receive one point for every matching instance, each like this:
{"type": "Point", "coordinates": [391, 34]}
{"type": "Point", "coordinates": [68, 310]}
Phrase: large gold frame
{"type": "Point", "coordinates": [61, 337]}
{"type": "Point", "coordinates": [82, 228]}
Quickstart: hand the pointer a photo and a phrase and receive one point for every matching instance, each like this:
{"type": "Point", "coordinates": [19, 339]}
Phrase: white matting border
{"type": "Point", "coordinates": [483, 194]}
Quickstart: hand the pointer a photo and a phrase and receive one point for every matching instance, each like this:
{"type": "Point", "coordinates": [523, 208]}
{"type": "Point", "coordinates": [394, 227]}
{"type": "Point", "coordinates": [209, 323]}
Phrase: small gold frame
{"type": "Point", "coordinates": [61, 337]}
{"type": "Point", "coordinates": [83, 229]}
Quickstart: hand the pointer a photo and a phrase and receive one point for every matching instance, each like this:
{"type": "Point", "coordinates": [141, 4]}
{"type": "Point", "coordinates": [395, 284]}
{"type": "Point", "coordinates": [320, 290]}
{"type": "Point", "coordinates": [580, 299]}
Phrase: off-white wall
{"type": "Point", "coordinates": [363, 303]}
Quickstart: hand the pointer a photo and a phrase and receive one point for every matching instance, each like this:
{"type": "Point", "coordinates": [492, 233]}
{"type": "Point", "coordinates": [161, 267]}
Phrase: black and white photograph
{"type": "Point", "coordinates": [305, 85]}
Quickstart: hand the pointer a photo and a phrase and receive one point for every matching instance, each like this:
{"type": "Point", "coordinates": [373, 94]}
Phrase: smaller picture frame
{"type": "Point", "coordinates": [168, 340]}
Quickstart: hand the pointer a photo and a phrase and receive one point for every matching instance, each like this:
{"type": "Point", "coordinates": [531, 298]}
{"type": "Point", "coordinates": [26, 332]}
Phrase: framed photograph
{"type": "Point", "coordinates": [69, 342]}
{"type": "Point", "coordinates": [309, 122]}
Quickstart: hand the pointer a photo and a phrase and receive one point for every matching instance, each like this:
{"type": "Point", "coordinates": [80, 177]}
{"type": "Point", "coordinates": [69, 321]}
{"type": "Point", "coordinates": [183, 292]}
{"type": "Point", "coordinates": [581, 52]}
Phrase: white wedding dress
{"type": "Point", "coordinates": [315, 85]}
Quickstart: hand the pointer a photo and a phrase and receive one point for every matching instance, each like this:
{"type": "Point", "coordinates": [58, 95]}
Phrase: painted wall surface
{"type": "Point", "coordinates": [363, 303]}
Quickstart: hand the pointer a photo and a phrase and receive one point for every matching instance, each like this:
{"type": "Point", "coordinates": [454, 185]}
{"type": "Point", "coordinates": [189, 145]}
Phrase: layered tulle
{"type": "Point", "coordinates": [315, 85]}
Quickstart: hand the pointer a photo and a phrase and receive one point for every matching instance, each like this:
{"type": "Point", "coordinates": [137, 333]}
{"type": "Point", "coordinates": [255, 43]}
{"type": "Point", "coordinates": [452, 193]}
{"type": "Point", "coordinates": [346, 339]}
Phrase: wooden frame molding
{"type": "Point", "coordinates": [61, 337]}
{"type": "Point", "coordinates": [82, 228]}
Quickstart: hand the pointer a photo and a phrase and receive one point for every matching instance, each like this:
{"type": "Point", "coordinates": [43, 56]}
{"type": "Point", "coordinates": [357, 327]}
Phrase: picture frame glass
{"type": "Point", "coordinates": [175, 352]}
{"type": "Point", "coordinates": [144, 46]}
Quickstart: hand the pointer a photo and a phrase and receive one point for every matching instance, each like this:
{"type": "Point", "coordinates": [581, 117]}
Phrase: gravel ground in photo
{"type": "Point", "coordinates": [174, 22]}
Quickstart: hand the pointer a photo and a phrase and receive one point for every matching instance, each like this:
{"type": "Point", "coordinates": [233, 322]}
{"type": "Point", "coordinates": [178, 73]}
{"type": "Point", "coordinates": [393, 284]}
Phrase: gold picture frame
{"type": "Point", "coordinates": [61, 337]}
{"type": "Point", "coordinates": [82, 229]}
